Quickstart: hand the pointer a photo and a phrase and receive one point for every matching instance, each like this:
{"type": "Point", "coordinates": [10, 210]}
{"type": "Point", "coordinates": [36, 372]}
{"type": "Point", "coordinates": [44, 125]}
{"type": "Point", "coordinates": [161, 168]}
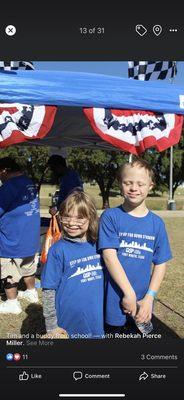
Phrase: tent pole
{"type": "Point", "coordinates": [171, 205]}
{"type": "Point", "coordinates": [171, 174]}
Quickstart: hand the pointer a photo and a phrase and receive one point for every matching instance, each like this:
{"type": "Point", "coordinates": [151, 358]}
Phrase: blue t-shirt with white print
{"type": "Point", "coordinates": [19, 218]}
{"type": "Point", "coordinates": [74, 270]}
{"type": "Point", "coordinates": [140, 241]}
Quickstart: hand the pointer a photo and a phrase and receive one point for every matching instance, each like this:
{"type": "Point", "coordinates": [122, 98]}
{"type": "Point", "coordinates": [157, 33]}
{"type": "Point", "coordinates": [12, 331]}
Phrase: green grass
{"type": "Point", "coordinates": [172, 290]}
{"type": "Point", "coordinates": [154, 203]}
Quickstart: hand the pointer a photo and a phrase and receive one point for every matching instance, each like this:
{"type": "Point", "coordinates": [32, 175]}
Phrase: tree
{"type": "Point", "coordinates": [178, 166]}
{"type": "Point", "coordinates": [32, 159]}
{"type": "Point", "coordinates": [98, 165]}
{"type": "Point", "coordinates": [154, 159]}
{"type": "Point", "coordinates": [161, 166]}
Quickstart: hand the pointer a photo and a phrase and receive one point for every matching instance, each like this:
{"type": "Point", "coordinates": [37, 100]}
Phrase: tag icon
{"type": "Point", "coordinates": [157, 30]}
{"type": "Point", "coordinates": [141, 30]}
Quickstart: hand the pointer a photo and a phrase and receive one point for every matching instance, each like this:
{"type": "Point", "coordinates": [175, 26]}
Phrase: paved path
{"type": "Point", "coordinates": [170, 213]}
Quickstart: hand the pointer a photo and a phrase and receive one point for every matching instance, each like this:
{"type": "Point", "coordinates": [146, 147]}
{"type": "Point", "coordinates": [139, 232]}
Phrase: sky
{"type": "Point", "coordinates": [116, 68]}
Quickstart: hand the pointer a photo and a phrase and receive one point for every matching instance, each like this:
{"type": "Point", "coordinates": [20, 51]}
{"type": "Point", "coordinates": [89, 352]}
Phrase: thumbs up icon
{"type": "Point", "coordinates": [24, 376]}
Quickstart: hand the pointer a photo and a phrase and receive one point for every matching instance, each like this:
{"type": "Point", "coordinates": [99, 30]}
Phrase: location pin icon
{"type": "Point", "coordinates": [157, 30]}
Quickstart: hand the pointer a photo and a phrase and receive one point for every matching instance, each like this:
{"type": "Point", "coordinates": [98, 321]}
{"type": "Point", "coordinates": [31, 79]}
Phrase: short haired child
{"type": "Point", "coordinates": [73, 275]}
{"type": "Point", "coordinates": [132, 238]}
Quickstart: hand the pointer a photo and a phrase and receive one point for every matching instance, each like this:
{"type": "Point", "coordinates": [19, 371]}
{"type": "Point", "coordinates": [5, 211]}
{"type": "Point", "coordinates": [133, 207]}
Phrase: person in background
{"type": "Point", "coordinates": [69, 179]}
{"type": "Point", "coordinates": [19, 235]}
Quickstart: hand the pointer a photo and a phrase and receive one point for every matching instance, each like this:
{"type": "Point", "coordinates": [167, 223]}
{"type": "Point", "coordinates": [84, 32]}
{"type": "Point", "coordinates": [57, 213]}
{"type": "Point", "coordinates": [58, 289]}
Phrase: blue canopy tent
{"type": "Point", "coordinates": [89, 90]}
{"type": "Point", "coordinates": [71, 91]}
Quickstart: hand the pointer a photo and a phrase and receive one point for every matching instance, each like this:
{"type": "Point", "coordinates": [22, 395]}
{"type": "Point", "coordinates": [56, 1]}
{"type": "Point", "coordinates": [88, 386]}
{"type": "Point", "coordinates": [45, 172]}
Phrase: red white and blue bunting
{"type": "Point", "coordinates": [135, 130]}
{"type": "Point", "coordinates": [20, 122]}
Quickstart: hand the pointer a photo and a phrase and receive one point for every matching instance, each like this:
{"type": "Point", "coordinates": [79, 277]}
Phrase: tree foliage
{"type": "Point", "coordinates": [32, 159]}
{"type": "Point", "coordinates": [161, 166]}
{"type": "Point", "coordinates": [98, 165]}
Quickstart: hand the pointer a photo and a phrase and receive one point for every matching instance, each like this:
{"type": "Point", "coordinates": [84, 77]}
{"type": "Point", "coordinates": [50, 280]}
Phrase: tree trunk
{"type": "Point", "coordinates": [105, 201]}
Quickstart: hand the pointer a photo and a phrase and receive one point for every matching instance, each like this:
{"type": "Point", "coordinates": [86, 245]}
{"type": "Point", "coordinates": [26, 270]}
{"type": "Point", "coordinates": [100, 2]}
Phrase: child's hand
{"type": "Point", "coordinates": [145, 312]}
{"type": "Point", "coordinates": [57, 333]}
{"type": "Point", "coordinates": [53, 211]}
{"type": "Point", "coordinates": [129, 304]}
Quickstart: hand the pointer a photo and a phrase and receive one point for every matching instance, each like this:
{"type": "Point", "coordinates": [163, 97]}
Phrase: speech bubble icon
{"type": "Point", "coordinates": [77, 375]}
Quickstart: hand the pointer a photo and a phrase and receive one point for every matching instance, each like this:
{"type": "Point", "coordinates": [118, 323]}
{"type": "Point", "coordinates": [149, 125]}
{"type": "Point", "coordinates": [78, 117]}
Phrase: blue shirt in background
{"type": "Point", "coordinates": [74, 270]}
{"type": "Point", "coordinates": [69, 181]}
{"type": "Point", "coordinates": [19, 218]}
{"type": "Point", "coordinates": [139, 243]}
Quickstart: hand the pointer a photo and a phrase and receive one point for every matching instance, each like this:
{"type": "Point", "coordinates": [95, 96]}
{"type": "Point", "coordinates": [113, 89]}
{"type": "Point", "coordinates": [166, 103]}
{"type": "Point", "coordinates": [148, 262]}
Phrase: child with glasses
{"type": "Point", "coordinates": [72, 279]}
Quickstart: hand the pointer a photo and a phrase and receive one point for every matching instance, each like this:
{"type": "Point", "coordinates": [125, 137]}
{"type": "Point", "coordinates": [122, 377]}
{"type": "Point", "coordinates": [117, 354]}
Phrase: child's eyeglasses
{"type": "Point", "coordinates": [77, 221]}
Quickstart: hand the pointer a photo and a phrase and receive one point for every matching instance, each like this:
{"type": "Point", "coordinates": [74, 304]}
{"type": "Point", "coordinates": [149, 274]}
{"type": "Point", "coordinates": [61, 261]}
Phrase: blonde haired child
{"type": "Point", "coordinates": [73, 276]}
{"type": "Point", "coordinates": [132, 238]}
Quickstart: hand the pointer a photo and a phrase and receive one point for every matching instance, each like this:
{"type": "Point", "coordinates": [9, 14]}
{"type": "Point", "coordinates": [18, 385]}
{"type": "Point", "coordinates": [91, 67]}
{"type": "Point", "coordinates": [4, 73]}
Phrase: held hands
{"type": "Point", "coordinates": [129, 303]}
{"type": "Point", "coordinates": [57, 333]}
{"type": "Point", "coordinates": [145, 312]}
{"type": "Point", "coordinates": [53, 211]}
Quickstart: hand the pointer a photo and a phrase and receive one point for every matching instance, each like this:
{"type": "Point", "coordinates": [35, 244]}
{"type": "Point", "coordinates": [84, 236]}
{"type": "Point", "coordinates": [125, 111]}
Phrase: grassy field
{"type": "Point", "coordinates": [172, 289]}
{"type": "Point", "coordinates": [154, 203]}
{"type": "Point", "coordinates": [169, 306]}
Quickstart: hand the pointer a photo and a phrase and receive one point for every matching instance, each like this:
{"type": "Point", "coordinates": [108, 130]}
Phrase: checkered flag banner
{"type": "Point", "coordinates": [16, 65]}
{"type": "Point", "coordinates": [151, 70]}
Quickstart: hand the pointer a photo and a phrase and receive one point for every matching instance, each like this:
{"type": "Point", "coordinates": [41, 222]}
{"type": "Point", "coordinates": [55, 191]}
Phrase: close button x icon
{"type": "Point", "coordinates": [10, 30]}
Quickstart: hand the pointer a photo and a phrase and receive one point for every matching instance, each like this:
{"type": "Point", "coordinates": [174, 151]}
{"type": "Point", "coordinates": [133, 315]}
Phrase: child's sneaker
{"type": "Point", "coordinates": [30, 295]}
{"type": "Point", "coordinates": [10, 307]}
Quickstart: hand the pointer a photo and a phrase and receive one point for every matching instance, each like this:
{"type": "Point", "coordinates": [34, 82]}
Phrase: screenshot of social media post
{"type": "Point", "coordinates": [92, 207]}
{"type": "Point", "coordinates": [91, 199]}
